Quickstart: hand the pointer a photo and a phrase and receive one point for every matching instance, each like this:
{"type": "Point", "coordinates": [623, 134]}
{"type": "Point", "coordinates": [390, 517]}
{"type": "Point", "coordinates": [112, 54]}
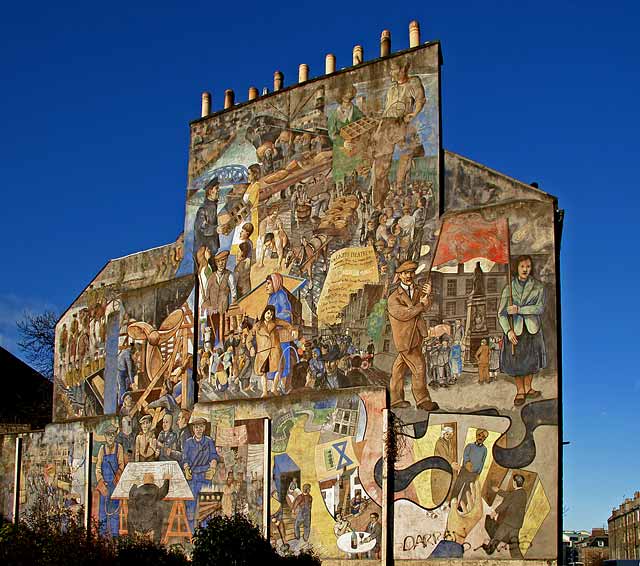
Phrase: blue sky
{"type": "Point", "coordinates": [96, 100]}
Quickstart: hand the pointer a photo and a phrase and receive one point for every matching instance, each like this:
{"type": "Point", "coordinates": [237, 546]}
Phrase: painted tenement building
{"type": "Point", "coordinates": [341, 280]}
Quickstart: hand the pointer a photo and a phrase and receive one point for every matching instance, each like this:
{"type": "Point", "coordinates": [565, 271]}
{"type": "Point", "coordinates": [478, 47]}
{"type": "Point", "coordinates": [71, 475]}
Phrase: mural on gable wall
{"type": "Point", "coordinates": [323, 490]}
{"type": "Point", "coordinates": [322, 497]}
{"type": "Point", "coordinates": [454, 314]}
{"type": "Point", "coordinates": [296, 203]}
{"type": "Point", "coordinates": [7, 472]}
{"type": "Point", "coordinates": [163, 478]}
{"type": "Point", "coordinates": [469, 184]}
{"type": "Point", "coordinates": [155, 350]}
{"type": "Point", "coordinates": [87, 342]}
{"type": "Point", "coordinates": [471, 479]}
{"type": "Point", "coordinates": [321, 264]}
{"type": "Point", "coordinates": [53, 469]}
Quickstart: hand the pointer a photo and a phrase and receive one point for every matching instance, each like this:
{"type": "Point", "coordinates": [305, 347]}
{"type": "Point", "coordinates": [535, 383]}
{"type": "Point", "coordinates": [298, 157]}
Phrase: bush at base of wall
{"type": "Point", "coordinates": [48, 540]}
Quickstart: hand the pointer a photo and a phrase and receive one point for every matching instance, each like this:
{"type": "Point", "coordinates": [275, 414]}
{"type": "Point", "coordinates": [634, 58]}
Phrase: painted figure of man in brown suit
{"type": "Point", "coordinates": [482, 357]}
{"type": "Point", "coordinates": [220, 292]}
{"type": "Point", "coordinates": [405, 305]}
{"type": "Point", "coordinates": [504, 524]}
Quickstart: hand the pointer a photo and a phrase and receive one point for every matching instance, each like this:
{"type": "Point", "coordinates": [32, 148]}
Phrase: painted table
{"type": "Point", "coordinates": [179, 492]}
{"type": "Point", "coordinates": [344, 543]}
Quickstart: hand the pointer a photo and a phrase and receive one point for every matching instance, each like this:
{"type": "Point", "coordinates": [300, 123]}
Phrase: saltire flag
{"type": "Point", "coordinates": [334, 457]}
{"type": "Point", "coordinates": [467, 236]}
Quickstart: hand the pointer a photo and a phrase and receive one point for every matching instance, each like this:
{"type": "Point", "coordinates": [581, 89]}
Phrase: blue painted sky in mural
{"type": "Point", "coordinates": [95, 106]}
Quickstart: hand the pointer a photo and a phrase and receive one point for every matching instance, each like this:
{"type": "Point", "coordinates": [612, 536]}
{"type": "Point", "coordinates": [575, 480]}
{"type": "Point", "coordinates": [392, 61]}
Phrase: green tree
{"type": "Point", "coordinates": [236, 541]}
{"type": "Point", "coordinates": [233, 541]}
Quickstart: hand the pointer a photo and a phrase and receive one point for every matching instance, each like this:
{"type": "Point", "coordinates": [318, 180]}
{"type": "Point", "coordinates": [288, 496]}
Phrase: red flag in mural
{"type": "Point", "coordinates": [468, 236]}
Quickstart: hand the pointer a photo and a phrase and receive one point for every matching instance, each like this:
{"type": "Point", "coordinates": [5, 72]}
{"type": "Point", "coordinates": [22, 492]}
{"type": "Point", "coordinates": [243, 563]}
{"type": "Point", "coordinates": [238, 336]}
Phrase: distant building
{"type": "Point", "coordinates": [26, 402]}
{"type": "Point", "coordinates": [575, 537]}
{"type": "Point", "coordinates": [594, 549]}
{"type": "Point", "coordinates": [624, 529]}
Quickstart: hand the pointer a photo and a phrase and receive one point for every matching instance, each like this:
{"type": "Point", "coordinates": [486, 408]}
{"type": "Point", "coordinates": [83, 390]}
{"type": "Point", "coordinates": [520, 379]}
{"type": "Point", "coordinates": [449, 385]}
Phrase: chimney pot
{"type": "Point", "coordinates": [329, 64]}
{"type": "Point", "coordinates": [253, 93]}
{"type": "Point", "coordinates": [303, 73]}
{"type": "Point", "coordinates": [206, 104]}
{"type": "Point", "coordinates": [358, 54]}
{"type": "Point", "coordinates": [414, 34]}
{"type": "Point", "coordinates": [265, 90]}
{"type": "Point", "coordinates": [229, 98]}
{"type": "Point", "coordinates": [385, 43]}
{"type": "Point", "coordinates": [278, 79]}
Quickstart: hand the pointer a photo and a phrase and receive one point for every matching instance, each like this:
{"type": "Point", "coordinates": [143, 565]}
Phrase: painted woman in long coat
{"type": "Point", "coordinates": [520, 312]}
{"type": "Point", "coordinates": [274, 285]}
{"type": "Point", "coordinates": [268, 354]}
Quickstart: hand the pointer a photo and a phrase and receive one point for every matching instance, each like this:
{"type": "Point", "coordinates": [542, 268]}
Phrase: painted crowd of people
{"type": "Point", "coordinates": [175, 437]}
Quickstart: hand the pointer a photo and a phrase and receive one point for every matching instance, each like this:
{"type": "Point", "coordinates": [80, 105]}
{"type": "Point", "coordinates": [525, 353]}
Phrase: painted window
{"type": "Point", "coordinates": [451, 308]}
{"type": "Point", "coordinates": [468, 286]}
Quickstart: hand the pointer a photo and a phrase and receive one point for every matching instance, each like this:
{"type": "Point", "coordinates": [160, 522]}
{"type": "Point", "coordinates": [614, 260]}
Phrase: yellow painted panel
{"type": "Point", "coordinates": [536, 514]}
{"type": "Point", "coordinates": [423, 448]}
{"type": "Point", "coordinates": [298, 449]}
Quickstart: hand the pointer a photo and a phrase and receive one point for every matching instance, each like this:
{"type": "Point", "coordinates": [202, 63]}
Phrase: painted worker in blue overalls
{"type": "Point", "coordinates": [199, 462]}
{"type": "Point", "coordinates": [109, 467]}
